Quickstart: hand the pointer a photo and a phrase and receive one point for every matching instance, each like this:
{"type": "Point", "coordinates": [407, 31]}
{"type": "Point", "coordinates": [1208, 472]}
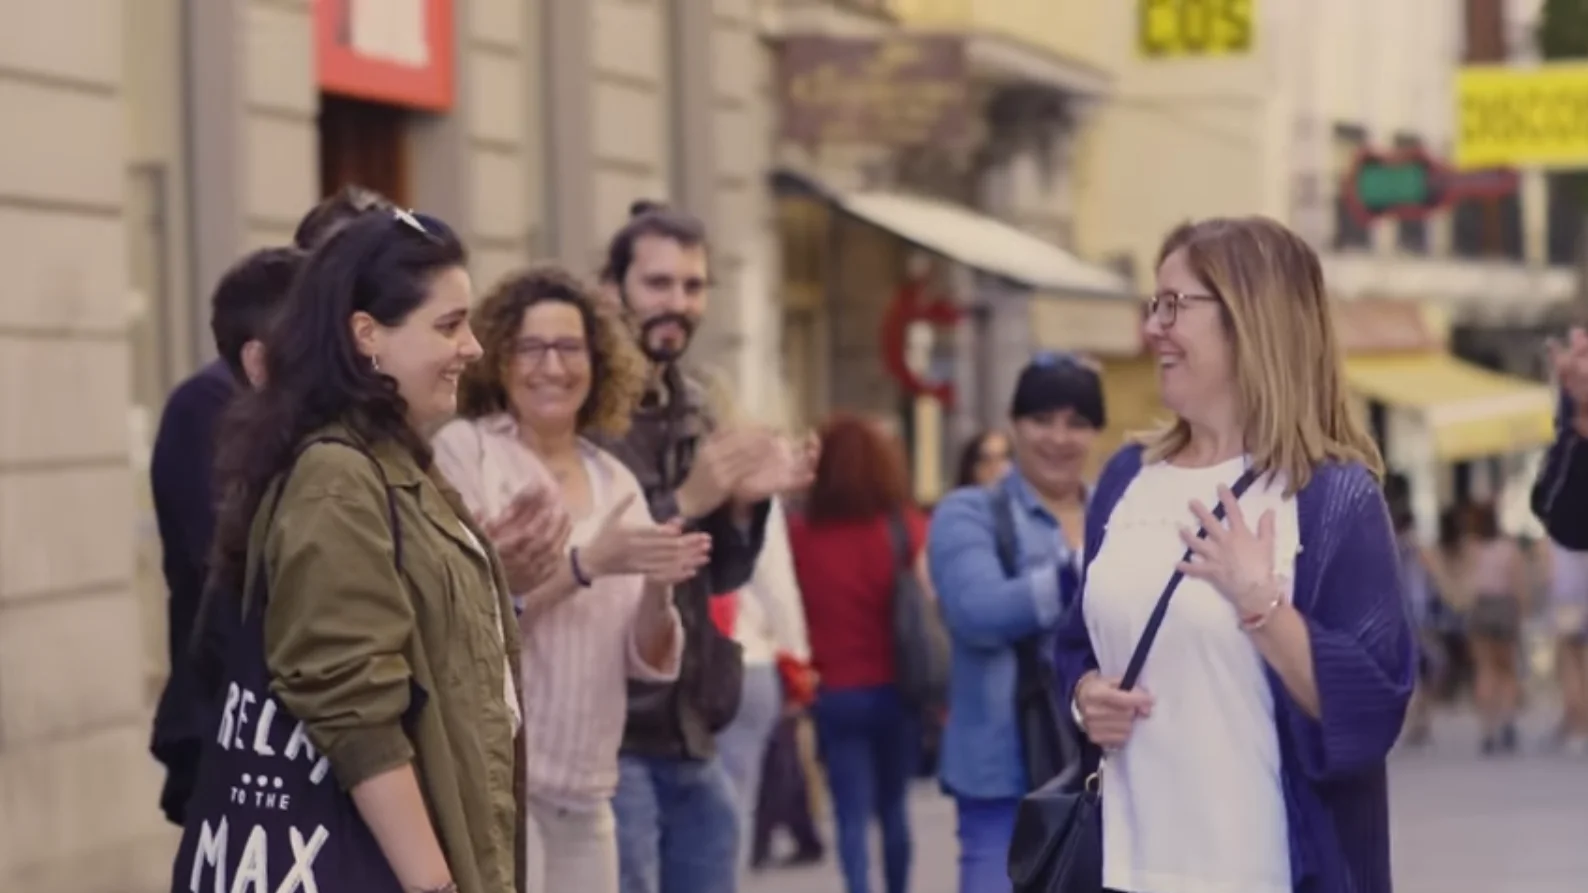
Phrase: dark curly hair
{"type": "Point", "coordinates": [617, 368]}
{"type": "Point", "coordinates": [380, 264]}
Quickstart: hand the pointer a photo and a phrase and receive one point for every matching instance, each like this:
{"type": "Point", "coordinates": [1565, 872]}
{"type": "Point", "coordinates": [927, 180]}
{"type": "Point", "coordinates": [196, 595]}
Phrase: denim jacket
{"type": "Point", "coordinates": [986, 614]}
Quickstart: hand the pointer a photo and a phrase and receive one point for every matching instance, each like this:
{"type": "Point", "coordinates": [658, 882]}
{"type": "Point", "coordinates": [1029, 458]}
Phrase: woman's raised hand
{"type": "Point", "coordinates": [663, 553]}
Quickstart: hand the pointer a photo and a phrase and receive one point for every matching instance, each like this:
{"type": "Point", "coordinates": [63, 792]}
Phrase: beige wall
{"type": "Point", "coordinates": [1182, 138]}
{"type": "Point", "coordinates": [78, 813]}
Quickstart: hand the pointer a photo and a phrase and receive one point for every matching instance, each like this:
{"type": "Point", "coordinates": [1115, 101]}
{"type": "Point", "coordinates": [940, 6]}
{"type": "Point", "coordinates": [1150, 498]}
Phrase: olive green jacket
{"type": "Point", "coordinates": [387, 667]}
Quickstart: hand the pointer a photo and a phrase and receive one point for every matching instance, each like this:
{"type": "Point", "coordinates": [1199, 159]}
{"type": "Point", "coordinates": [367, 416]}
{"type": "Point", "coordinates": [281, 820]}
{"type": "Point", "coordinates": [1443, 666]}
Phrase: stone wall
{"type": "Point", "coordinates": [78, 813]}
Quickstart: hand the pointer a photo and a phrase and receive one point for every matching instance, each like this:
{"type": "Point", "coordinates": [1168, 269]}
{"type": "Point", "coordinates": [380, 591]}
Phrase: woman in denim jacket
{"type": "Point", "coordinates": [1055, 415]}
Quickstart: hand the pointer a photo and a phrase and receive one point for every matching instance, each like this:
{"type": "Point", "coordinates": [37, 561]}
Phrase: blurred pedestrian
{"type": "Point", "coordinates": [1251, 756]}
{"type": "Point", "coordinates": [996, 603]}
{"type": "Point", "coordinates": [769, 624]}
{"type": "Point", "coordinates": [784, 800]}
{"type": "Point", "coordinates": [1495, 568]}
{"type": "Point", "coordinates": [1568, 614]}
{"type": "Point", "coordinates": [844, 556]}
{"type": "Point", "coordinates": [984, 459]}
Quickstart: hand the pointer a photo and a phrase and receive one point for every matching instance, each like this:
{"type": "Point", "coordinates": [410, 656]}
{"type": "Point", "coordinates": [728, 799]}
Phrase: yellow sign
{"type": "Point", "coordinates": [1522, 117]}
{"type": "Point", "coordinates": [1189, 28]}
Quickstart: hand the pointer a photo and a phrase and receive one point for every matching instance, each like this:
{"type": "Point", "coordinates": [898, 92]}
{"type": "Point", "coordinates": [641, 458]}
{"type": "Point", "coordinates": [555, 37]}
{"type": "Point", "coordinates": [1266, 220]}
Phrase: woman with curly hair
{"type": "Point", "coordinates": [558, 365]}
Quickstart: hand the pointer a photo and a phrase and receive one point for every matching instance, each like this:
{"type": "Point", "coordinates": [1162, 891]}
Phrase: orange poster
{"type": "Point", "coordinates": [392, 51]}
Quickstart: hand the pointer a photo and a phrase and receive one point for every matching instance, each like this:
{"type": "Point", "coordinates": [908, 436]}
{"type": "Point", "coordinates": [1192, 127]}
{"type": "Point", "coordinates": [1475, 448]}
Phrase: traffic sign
{"type": "Point", "coordinates": [1409, 184]}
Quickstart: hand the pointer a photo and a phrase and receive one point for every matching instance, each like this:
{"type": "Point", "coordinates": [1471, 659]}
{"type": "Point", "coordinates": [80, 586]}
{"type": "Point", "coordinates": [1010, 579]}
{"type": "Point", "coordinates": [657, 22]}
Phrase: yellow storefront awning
{"type": "Point", "coordinates": [1470, 411]}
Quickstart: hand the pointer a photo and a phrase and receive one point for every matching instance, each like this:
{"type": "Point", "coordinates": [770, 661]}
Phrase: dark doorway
{"type": "Point", "coordinates": [363, 144]}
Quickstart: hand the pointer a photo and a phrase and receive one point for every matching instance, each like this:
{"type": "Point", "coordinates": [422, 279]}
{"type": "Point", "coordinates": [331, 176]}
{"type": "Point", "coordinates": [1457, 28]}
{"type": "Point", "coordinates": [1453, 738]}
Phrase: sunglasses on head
{"type": "Point", "coordinates": [409, 219]}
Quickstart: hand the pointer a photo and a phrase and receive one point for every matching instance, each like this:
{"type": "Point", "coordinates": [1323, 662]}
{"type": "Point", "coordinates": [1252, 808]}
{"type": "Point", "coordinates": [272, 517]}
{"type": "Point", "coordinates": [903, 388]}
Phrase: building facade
{"type": "Point", "coordinates": [162, 142]}
{"type": "Point", "coordinates": [882, 231]}
{"type": "Point", "coordinates": [1274, 125]}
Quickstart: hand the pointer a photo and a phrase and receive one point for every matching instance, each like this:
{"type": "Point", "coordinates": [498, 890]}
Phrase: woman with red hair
{"type": "Point", "coordinates": [844, 557]}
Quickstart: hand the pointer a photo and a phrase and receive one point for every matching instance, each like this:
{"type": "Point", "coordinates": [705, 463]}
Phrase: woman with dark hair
{"type": "Point", "coordinates": [387, 628]}
{"type": "Point", "coordinates": [559, 365]}
{"type": "Point", "coordinates": [1000, 598]}
{"type": "Point", "coordinates": [845, 559]}
{"type": "Point", "coordinates": [984, 459]}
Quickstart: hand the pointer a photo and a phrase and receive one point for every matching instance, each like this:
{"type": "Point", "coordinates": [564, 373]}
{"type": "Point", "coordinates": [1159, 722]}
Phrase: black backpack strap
{"type": "Point", "coordinates": [1005, 538]}
{"type": "Point", "coordinates": [899, 534]}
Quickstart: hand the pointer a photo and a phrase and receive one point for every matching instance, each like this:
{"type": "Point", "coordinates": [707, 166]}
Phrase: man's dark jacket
{"type": "Point", "coordinates": [666, 720]}
{"type": "Point", "coordinates": [1560, 495]}
{"type": "Point", "coordinates": [180, 472]}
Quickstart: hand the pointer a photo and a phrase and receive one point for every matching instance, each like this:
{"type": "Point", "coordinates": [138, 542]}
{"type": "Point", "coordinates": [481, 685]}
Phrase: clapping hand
{"type": "Point", "coordinates": [783, 466]}
{"type": "Point", "coordinates": [1237, 560]}
{"type": "Point", "coordinates": [724, 459]}
{"type": "Point", "coordinates": [529, 536]}
{"type": "Point", "coordinates": [662, 553]}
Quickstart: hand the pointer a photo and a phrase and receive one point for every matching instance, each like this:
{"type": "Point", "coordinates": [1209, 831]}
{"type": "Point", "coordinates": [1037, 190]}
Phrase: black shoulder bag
{"type": "Point", "coordinates": [1057, 846]}
{"type": "Point", "coordinates": [921, 650]}
{"type": "Point", "coordinates": [1048, 739]}
{"type": "Point", "coordinates": [266, 813]}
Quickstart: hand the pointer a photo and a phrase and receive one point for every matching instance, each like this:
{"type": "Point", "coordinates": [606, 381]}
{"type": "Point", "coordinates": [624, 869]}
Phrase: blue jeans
{"type": "Point", "coordinates": [677, 830]}
{"type": "Point", "coordinates": [742, 745]}
{"type": "Point", "coordinates": [870, 740]}
{"type": "Point", "coordinates": [985, 829]}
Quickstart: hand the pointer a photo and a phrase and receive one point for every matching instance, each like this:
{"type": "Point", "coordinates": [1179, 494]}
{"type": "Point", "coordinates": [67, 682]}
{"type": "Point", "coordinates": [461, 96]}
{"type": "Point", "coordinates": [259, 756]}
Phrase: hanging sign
{"type": "Point", "coordinates": [910, 309]}
{"type": "Point", "coordinates": [1167, 29]}
{"type": "Point", "coordinates": [1408, 184]}
{"type": "Point", "coordinates": [397, 52]}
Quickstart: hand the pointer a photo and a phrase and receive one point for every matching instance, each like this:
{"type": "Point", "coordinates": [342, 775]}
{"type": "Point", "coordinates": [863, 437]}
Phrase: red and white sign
{"type": "Point", "coordinates": [392, 51]}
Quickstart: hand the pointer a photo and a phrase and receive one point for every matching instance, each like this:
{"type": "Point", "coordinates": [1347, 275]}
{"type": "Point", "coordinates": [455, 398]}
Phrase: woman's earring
{"type": "Point", "coordinates": [374, 364]}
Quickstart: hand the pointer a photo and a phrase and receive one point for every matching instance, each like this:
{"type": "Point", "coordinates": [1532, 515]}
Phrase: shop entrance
{"type": "Point", "coordinates": [364, 144]}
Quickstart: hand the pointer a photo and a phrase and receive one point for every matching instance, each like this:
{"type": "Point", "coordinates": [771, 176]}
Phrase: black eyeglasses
{"type": "Point", "coordinates": [1165, 305]}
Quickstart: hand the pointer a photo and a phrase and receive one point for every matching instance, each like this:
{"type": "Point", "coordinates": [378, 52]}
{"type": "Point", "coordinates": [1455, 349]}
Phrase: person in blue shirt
{"type": "Point", "coordinates": [1055, 415]}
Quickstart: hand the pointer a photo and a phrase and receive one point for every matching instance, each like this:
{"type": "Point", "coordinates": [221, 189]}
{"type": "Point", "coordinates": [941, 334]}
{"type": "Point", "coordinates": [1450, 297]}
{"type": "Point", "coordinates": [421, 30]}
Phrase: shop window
{"type": "Point", "coordinates": [363, 144]}
{"type": "Point", "coordinates": [1349, 139]}
{"type": "Point", "coordinates": [1568, 203]}
{"type": "Point", "coordinates": [1411, 236]}
{"type": "Point", "coordinates": [1487, 228]}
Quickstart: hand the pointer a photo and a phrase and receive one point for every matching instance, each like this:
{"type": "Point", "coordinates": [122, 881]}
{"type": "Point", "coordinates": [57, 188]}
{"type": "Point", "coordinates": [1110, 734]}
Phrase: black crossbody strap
{"type": "Point", "coordinates": [1138, 658]}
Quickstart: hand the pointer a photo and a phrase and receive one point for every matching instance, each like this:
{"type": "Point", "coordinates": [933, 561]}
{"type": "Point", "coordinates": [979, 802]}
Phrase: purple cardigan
{"type": "Point", "coordinates": [1348, 588]}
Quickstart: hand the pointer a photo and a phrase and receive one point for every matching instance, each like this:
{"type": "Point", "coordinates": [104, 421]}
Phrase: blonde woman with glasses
{"type": "Point", "coordinates": [1251, 755]}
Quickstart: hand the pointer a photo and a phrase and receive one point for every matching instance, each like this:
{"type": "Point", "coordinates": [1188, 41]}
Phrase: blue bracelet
{"type": "Point", "coordinates": [578, 572]}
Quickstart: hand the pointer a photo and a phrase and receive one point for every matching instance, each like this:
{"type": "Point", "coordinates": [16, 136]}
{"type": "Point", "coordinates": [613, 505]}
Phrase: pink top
{"type": "Point", "coordinates": [579, 654]}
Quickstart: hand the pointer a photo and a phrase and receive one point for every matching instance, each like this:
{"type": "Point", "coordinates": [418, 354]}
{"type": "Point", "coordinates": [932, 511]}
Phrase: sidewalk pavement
{"type": "Point", "coordinates": [1462, 824]}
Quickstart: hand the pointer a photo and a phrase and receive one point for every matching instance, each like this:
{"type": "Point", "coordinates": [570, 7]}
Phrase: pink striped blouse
{"type": "Point", "coordinates": [578, 655]}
